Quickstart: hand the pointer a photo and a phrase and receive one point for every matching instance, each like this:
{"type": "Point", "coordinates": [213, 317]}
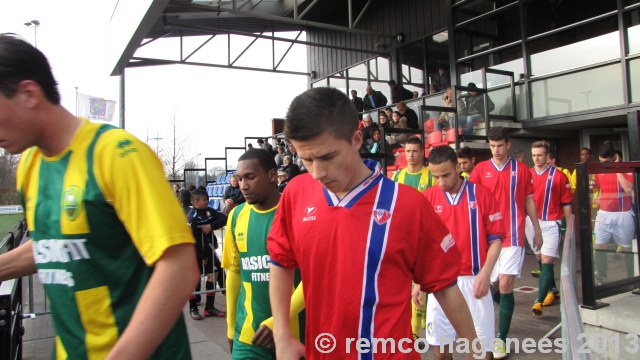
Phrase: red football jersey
{"type": "Point", "coordinates": [612, 196]}
{"type": "Point", "coordinates": [358, 256]}
{"type": "Point", "coordinates": [474, 219]}
{"type": "Point", "coordinates": [551, 191]}
{"type": "Point", "coordinates": [510, 185]}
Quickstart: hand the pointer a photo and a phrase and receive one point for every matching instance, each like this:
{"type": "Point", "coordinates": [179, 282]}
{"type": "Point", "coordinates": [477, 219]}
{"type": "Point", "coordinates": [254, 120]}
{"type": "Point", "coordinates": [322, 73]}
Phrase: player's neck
{"type": "Point", "coordinates": [361, 173]}
{"type": "Point", "coordinates": [542, 168]}
{"type": "Point", "coordinates": [500, 161]}
{"type": "Point", "coordinates": [59, 130]}
{"type": "Point", "coordinates": [456, 188]}
{"type": "Point", "coordinates": [414, 168]}
{"type": "Point", "coordinates": [269, 203]}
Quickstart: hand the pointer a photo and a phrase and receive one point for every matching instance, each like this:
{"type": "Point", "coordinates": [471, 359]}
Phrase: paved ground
{"type": "Point", "coordinates": [208, 337]}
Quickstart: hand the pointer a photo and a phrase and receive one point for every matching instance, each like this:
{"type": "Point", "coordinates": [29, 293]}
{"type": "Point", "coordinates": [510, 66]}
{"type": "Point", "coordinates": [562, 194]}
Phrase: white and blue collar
{"type": "Point", "coordinates": [359, 190]}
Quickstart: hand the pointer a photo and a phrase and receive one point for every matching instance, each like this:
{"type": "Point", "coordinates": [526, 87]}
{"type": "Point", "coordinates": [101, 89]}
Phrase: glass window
{"type": "Point", "coordinates": [474, 9]}
{"type": "Point", "coordinates": [509, 59]}
{"type": "Point", "coordinates": [412, 59]}
{"type": "Point", "coordinates": [383, 88]}
{"type": "Point", "coordinates": [358, 71]}
{"type": "Point", "coordinates": [359, 86]}
{"type": "Point", "coordinates": [501, 99]}
{"type": "Point", "coordinates": [497, 30]}
{"type": "Point", "coordinates": [319, 83]}
{"type": "Point", "coordinates": [543, 16]}
{"type": "Point", "coordinates": [634, 75]}
{"type": "Point", "coordinates": [585, 45]}
{"type": "Point", "coordinates": [338, 83]}
{"type": "Point", "coordinates": [381, 67]}
{"type": "Point", "coordinates": [437, 61]}
{"type": "Point", "coordinates": [590, 89]}
{"type": "Point", "coordinates": [632, 26]}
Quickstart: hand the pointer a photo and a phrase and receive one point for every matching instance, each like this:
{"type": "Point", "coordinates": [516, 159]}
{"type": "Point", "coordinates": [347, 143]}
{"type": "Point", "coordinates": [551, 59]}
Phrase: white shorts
{"type": "Point", "coordinates": [617, 226]}
{"type": "Point", "coordinates": [529, 232]}
{"type": "Point", "coordinates": [509, 262]}
{"type": "Point", "coordinates": [441, 332]}
{"type": "Point", "coordinates": [550, 238]}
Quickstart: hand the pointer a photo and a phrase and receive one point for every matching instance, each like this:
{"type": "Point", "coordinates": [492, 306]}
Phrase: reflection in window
{"type": "Point", "coordinates": [543, 16]}
{"type": "Point", "coordinates": [508, 60]}
{"type": "Point", "coordinates": [437, 57]}
{"type": "Point", "coordinates": [338, 83]}
{"type": "Point", "coordinates": [359, 86]}
{"type": "Point", "coordinates": [634, 76]}
{"type": "Point", "coordinates": [580, 91]}
{"type": "Point", "coordinates": [578, 47]}
{"type": "Point", "coordinates": [500, 29]}
{"type": "Point", "coordinates": [632, 24]}
{"type": "Point", "coordinates": [383, 69]}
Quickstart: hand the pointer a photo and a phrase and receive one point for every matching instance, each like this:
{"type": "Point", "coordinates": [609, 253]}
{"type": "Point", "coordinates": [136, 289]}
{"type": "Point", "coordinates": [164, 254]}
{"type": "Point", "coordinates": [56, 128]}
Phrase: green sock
{"type": "Point", "coordinates": [629, 260]}
{"type": "Point", "coordinates": [546, 278]}
{"type": "Point", "coordinates": [601, 263]}
{"type": "Point", "coordinates": [540, 265]}
{"type": "Point", "coordinates": [507, 303]}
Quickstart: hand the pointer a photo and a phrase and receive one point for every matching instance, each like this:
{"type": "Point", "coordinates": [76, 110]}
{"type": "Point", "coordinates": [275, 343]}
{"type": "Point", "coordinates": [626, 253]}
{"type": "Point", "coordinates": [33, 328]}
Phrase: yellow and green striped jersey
{"type": "Point", "coordinates": [245, 252]}
{"type": "Point", "coordinates": [421, 180]}
{"type": "Point", "coordinates": [100, 214]}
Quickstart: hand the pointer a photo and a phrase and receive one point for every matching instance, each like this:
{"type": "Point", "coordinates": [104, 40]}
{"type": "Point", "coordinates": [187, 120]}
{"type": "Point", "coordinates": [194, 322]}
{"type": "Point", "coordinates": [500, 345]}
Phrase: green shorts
{"type": "Point", "coordinates": [242, 351]}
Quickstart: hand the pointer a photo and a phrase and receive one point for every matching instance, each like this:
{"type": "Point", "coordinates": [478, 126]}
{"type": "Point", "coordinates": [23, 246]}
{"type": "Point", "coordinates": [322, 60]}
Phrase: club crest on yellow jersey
{"type": "Point", "coordinates": [72, 201]}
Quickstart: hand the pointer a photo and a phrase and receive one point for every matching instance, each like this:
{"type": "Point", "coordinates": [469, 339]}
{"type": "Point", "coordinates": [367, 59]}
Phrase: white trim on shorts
{"type": "Point", "coordinates": [440, 331]}
{"type": "Point", "coordinates": [617, 226]}
{"type": "Point", "coordinates": [509, 262]}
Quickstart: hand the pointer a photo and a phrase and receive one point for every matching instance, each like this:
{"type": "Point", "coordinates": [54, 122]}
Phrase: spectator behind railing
{"type": "Point", "coordinates": [279, 158]}
{"type": "Point", "coordinates": [376, 147]}
{"type": "Point", "coordinates": [232, 196]}
{"type": "Point", "coordinates": [412, 117]}
{"type": "Point", "coordinates": [398, 92]}
{"type": "Point", "coordinates": [357, 101]}
{"type": "Point", "coordinates": [373, 99]}
{"type": "Point", "coordinates": [292, 170]}
{"type": "Point", "coordinates": [474, 104]}
{"type": "Point", "coordinates": [446, 119]}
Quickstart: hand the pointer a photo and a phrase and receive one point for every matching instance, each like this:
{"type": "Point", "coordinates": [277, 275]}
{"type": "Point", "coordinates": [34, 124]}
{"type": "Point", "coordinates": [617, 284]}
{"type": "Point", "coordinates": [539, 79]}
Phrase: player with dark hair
{"type": "Point", "coordinates": [378, 235]}
{"type": "Point", "coordinates": [246, 259]}
{"type": "Point", "coordinates": [475, 221]}
{"type": "Point", "coordinates": [510, 182]}
{"type": "Point", "coordinates": [615, 219]}
{"type": "Point", "coordinates": [108, 238]}
{"type": "Point", "coordinates": [466, 160]}
{"type": "Point", "coordinates": [552, 195]}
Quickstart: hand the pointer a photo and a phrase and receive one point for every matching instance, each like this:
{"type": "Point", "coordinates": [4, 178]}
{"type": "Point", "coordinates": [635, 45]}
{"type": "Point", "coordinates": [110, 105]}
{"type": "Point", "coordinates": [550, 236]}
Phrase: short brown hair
{"type": "Point", "coordinates": [541, 144]}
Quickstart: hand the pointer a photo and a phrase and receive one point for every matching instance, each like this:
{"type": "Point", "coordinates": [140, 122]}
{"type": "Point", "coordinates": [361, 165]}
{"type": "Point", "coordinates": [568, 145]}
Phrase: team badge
{"type": "Point", "coordinates": [514, 173]}
{"type": "Point", "coordinates": [472, 204]}
{"type": "Point", "coordinates": [422, 187]}
{"type": "Point", "coordinates": [72, 202]}
{"type": "Point", "coordinates": [381, 216]}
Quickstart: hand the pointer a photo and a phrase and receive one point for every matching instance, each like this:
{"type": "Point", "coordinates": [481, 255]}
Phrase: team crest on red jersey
{"type": "Point", "coordinates": [381, 216]}
{"type": "Point", "coordinates": [514, 173]}
{"type": "Point", "coordinates": [472, 204]}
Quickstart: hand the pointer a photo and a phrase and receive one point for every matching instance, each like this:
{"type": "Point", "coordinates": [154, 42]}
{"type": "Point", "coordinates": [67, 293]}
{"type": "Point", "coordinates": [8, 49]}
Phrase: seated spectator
{"type": "Point", "coordinates": [395, 119]}
{"type": "Point", "coordinates": [383, 120]}
{"type": "Point", "coordinates": [474, 104]}
{"type": "Point", "coordinates": [232, 196]}
{"type": "Point", "coordinates": [369, 126]}
{"type": "Point", "coordinates": [446, 119]}
{"type": "Point", "coordinates": [279, 156]}
{"type": "Point", "coordinates": [373, 99]}
{"type": "Point", "coordinates": [389, 111]}
{"type": "Point", "coordinates": [296, 159]}
{"type": "Point", "coordinates": [292, 170]}
{"type": "Point", "coordinates": [282, 180]}
{"type": "Point", "coordinates": [264, 145]}
{"type": "Point", "coordinates": [398, 92]}
{"type": "Point", "coordinates": [412, 117]}
{"type": "Point", "coordinates": [376, 147]}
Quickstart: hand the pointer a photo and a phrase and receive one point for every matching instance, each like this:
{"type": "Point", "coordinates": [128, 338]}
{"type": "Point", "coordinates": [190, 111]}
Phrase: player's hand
{"type": "Point", "coordinates": [537, 240]}
{"type": "Point", "coordinates": [263, 337]}
{"type": "Point", "coordinates": [206, 229]}
{"type": "Point", "coordinates": [481, 286]}
{"type": "Point", "coordinates": [417, 295]}
{"type": "Point", "coordinates": [230, 341]}
{"type": "Point", "coordinates": [228, 201]}
{"type": "Point", "coordinates": [289, 349]}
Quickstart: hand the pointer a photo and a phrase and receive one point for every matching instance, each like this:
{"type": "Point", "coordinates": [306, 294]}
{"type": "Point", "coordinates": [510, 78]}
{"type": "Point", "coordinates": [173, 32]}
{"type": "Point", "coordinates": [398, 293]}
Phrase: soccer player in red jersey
{"type": "Point", "coordinates": [359, 240]}
{"type": "Point", "coordinates": [510, 182]}
{"type": "Point", "coordinates": [615, 219]}
{"type": "Point", "coordinates": [552, 195]}
{"type": "Point", "coordinates": [472, 215]}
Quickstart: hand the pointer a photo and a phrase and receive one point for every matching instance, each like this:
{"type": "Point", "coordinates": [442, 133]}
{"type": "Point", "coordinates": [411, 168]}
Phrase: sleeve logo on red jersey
{"type": "Point", "coordinates": [438, 209]}
{"type": "Point", "coordinates": [381, 216]}
{"type": "Point", "coordinates": [495, 217]}
{"type": "Point", "coordinates": [488, 175]}
{"type": "Point", "coordinates": [447, 243]}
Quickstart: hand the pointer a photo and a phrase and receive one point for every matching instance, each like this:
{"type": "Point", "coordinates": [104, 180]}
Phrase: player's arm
{"type": "Point", "coordinates": [625, 183]}
{"type": "Point", "coordinates": [18, 262]}
{"type": "Point", "coordinates": [219, 220]}
{"type": "Point", "coordinates": [530, 208]}
{"type": "Point", "coordinates": [457, 311]}
{"type": "Point", "coordinates": [483, 280]}
{"type": "Point", "coordinates": [280, 289]}
{"type": "Point", "coordinates": [166, 293]}
{"type": "Point", "coordinates": [230, 262]}
{"type": "Point", "coordinates": [264, 335]}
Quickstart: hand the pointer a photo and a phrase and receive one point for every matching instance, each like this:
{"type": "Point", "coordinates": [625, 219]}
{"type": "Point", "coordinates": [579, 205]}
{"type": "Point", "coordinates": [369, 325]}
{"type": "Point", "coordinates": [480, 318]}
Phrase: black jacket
{"type": "Point", "coordinates": [234, 194]}
{"type": "Point", "coordinates": [378, 98]}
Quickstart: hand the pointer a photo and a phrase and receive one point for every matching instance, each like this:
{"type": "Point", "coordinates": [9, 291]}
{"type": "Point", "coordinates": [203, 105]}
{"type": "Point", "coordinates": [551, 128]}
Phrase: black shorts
{"type": "Point", "coordinates": [213, 263]}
